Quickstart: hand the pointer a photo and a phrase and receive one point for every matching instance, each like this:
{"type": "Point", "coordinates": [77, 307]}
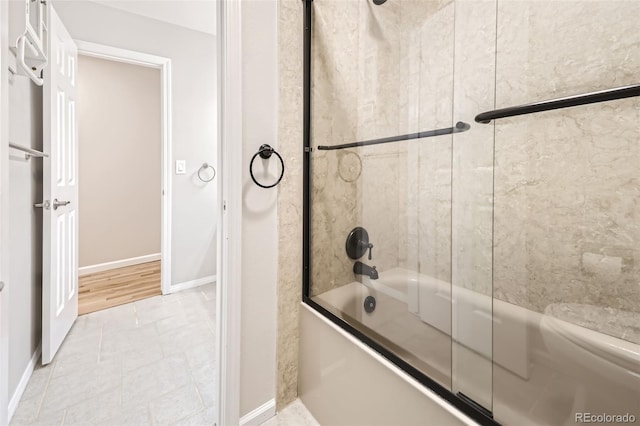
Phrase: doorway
{"type": "Point", "coordinates": [162, 319]}
{"type": "Point", "coordinates": [120, 170]}
{"type": "Point", "coordinates": [124, 163]}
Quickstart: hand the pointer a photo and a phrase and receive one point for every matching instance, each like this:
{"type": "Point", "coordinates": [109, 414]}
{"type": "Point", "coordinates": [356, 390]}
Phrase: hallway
{"type": "Point", "coordinates": [148, 362]}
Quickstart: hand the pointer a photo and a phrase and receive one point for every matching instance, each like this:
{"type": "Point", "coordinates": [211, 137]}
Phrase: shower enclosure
{"type": "Point", "coordinates": [495, 258]}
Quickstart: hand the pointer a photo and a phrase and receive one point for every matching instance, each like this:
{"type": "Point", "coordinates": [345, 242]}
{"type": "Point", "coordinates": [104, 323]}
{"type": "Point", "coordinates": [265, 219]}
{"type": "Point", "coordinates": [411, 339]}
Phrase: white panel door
{"type": "Point", "coordinates": [60, 188]}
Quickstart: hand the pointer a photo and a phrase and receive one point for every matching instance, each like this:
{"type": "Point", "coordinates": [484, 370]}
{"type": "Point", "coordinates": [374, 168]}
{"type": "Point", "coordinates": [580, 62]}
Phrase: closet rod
{"type": "Point", "coordinates": [566, 102]}
{"type": "Point", "coordinates": [28, 151]}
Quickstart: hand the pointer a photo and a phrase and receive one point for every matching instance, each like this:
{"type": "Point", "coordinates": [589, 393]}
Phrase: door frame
{"type": "Point", "coordinates": [102, 51]}
{"type": "Point", "coordinates": [230, 206]}
{"type": "Point", "coordinates": [4, 211]}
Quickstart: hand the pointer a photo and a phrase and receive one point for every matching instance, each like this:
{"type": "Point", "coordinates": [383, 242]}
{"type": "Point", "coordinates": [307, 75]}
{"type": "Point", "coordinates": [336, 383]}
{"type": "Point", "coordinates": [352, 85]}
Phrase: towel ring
{"type": "Point", "coordinates": [206, 166]}
{"type": "Point", "coordinates": [265, 153]}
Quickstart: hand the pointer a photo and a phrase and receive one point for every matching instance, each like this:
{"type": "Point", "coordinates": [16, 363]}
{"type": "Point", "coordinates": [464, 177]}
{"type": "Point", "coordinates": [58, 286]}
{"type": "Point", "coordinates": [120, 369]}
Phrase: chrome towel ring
{"type": "Point", "coordinates": [265, 153]}
{"type": "Point", "coordinates": [204, 167]}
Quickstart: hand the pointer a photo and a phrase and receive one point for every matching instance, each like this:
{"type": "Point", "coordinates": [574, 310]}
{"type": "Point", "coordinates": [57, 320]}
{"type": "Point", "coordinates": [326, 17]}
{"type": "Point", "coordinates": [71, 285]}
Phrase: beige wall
{"type": "Point", "coordinates": [259, 206]}
{"type": "Point", "coordinates": [120, 160]}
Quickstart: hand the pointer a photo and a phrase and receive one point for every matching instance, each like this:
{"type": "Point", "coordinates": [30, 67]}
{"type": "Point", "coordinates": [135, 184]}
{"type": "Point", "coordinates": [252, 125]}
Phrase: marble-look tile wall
{"type": "Point", "coordinates": [567, 183]}
{"type": "Point", "coordinates": [377, 72]}
{"type": "Point", "coordinates": [336, 184]}
{"type": "Point", "coordinates": [433, 86]}
{"type": "Point", "coordinates": [472, 183]}
{"type": "Point", "coordinates": [289, 199]}
{"type": "Point", "coordinates": [472, 192]}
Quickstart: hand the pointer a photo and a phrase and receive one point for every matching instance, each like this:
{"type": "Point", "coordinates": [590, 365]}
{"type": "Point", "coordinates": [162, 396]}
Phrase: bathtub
{"type": "Point", "coordinates": [408, 301]}
{"type": "Point", "coordinates": [342, 381]}
{"type": "Point", "coordinates": [391, 323]}
{"type": "Point", "coordinates": [500, 358]}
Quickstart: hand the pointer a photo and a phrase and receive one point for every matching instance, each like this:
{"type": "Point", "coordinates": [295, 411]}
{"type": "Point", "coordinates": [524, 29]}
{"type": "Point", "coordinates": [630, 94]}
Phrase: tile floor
{"type": "Point", "coordinates": [145, 363]}
{"type": "Point", "coordinates": [295, 414]}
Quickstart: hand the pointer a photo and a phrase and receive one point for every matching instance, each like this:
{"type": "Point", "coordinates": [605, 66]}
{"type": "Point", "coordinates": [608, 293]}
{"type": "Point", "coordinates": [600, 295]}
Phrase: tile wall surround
{"type": "Point", "coordinates": [535, 210]}
{"type": "Point", "coordinates": [289, 199]}
{"type": "Point", "coordinates": [401, 68]}
{"type": "Point", "coordinates": [472, 180]}
{"type": "Point", "coordinates": [377, 72]}
{"type": "Point", "coordinates": [572, 174]}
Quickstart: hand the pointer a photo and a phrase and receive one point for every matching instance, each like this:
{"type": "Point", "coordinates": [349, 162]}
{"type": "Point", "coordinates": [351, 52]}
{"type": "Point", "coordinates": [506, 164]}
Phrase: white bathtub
{"type": "Point", "coordinates": [343, 382]}
{"type": "Point", "coordinates": [500, 358]}
{"type": "Point", "coordinates": [413, 301]}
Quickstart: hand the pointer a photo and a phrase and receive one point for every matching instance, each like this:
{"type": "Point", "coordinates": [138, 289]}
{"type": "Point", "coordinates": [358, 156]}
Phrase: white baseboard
{"type": "Point", "coordinates": [191, 284]}
{"type": "Point", "coordinates": [24, 381]}
{"type": "Point", "coordinates": [260, 414]}
{"type": "Point", "coordinates": [92, 269]}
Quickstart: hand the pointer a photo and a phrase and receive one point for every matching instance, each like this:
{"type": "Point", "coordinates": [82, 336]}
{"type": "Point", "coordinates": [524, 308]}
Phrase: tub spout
{"type": "Point", "coordinates": [360, 268]}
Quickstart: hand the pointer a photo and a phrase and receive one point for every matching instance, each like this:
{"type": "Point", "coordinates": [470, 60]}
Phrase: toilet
{"type": "Point", "coordinates": [603, 366]}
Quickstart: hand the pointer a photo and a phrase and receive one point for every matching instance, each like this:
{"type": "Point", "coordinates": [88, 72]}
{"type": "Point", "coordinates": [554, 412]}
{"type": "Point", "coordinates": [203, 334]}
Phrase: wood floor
{"type": "Point", "coordinates": [106, 289]}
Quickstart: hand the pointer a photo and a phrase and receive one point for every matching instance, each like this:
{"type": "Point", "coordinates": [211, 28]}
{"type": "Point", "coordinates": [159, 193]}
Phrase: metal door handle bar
{"type": "Point", "coordinates": [566, 102]}
{"type": "Point", "coordinates": [57, 203]}
{"type": "Point", "coordinates": [460, 127]}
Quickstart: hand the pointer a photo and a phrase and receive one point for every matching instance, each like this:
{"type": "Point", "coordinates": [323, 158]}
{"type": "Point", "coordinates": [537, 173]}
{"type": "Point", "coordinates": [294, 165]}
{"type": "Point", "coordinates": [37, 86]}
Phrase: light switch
{"type": "Point", "coordinates": [181, 167]}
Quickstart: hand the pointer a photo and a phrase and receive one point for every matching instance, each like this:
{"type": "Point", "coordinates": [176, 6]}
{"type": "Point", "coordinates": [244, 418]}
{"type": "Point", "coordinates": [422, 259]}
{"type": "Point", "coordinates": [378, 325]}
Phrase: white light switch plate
{"type": "Point", "coordinates": [181, 167]}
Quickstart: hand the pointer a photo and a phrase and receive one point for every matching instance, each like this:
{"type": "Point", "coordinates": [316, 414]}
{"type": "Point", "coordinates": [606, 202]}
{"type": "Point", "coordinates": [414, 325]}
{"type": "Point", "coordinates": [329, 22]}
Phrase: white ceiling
{"type": "Point", "coordinates": [199, 15]}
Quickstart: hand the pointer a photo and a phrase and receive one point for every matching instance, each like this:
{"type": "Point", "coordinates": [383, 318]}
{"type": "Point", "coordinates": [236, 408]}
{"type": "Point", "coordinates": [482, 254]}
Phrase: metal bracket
{"type": "Point", "coordinates": [43, 205]}
{"type": "Point", "coordinates": [308, 149]}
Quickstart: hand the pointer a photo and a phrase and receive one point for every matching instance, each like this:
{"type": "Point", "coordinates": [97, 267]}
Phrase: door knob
{"type": "Point", "coordinates": [57, 203]}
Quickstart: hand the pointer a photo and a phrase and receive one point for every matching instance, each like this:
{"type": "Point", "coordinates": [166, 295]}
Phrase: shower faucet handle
{"type": "Point", "coordinates": [366, 246]}
{"type": "Point", "coordinates": [358, 243]}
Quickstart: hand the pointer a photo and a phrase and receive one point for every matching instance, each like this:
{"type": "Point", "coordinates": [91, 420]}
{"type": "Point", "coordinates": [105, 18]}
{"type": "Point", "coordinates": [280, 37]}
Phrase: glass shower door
{"type": "Point", "coordinates": [496, 263]}
{"type": "Point", "coordinates": [472, 206]}
{"type": "Point", "coordinates": [389, 148]}
{"type": "Point", "coordinates": [567, 240]}
{"type": "Point", "coordinates": [382, 125]}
